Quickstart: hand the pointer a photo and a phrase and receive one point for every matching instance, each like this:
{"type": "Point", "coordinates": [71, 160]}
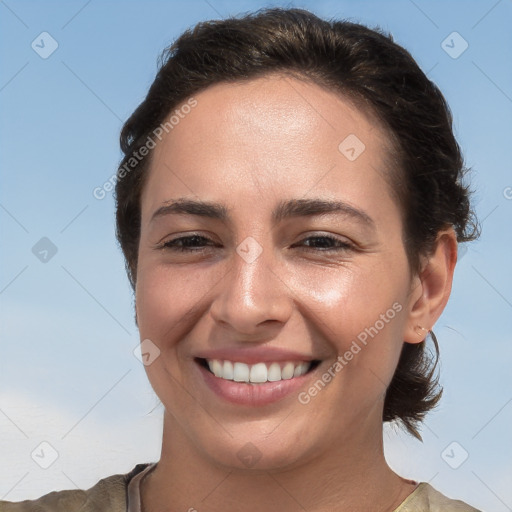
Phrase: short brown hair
{"type": "Point", "coordinates": [362, 64]}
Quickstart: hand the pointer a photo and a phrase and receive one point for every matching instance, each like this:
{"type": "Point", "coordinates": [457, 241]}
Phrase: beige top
{"type": "Point", "coordinates": [423, 499]}
{"type": "Point", "coordinates": [133, 492]}
{"type": "Point", "coordinates": [121, 493]}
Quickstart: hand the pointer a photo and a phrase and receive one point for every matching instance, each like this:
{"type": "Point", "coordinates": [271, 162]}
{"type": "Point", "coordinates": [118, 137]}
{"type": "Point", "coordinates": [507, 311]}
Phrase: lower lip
{"type": "Point", "coordinates": [243, 393]}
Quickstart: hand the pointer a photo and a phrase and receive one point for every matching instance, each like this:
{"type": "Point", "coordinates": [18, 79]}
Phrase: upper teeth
{"type": "Point", "coordinates": [257, 373]}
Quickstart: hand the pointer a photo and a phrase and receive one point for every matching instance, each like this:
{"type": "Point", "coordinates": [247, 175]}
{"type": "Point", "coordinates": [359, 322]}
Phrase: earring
{"type": "Point", "coordinates": [426, 331]}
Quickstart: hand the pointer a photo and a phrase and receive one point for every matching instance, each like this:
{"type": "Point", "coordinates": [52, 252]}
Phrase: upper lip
{"type": "Point", "coordinates": [252, 355]}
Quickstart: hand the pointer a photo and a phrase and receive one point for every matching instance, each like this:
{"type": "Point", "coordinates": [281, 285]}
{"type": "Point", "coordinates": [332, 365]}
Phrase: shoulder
{"type": "Point", "coordinates": [427, 499]}
{"type": "Point", "coordinates": [108, 495]}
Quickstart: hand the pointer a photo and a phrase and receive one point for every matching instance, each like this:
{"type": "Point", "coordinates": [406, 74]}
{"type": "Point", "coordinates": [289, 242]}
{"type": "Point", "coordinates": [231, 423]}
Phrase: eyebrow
{"type": "Point", "coordinates": [284, 210]}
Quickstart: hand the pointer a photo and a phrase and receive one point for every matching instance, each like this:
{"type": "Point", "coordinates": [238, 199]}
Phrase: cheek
{"type": "Point", "coordinates": [169, 301]}
{"type": "Point", "coordinates": [168, 307]}
{"type": "Point", "coordinates": [351, 298]}
{"type": "Point", "coordinates": [363, 320]}
{"type": "Point", "coordinates": [361, 312]}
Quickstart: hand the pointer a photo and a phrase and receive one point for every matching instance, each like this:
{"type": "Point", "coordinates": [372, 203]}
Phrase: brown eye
{"type": "Point", "coordinates": [325, 243]}
{"type": "Point", "coordinates": [193, 243]}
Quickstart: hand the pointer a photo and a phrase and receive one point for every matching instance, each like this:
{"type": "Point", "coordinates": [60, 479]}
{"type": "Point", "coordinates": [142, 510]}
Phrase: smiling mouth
{"type": "Point", "coordinates": [258, 373]}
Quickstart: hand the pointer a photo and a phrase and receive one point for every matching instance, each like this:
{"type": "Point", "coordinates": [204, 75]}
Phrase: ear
{"type": "Point", "coordinates": [431, 288]}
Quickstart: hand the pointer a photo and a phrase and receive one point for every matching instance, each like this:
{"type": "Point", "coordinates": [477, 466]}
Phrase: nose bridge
{"type": "Point", "coordinates": [253, 267]}
{"type": "Point", "coordinates": [252, 292]}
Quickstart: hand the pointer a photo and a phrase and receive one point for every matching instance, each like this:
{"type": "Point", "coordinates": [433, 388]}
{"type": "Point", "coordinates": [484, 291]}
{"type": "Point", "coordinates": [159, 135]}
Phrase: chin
{"type": "Point", "coordinates": [257, 446]}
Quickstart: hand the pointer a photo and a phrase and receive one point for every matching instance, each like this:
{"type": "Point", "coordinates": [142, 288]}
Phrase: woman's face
{"type": "Point", "coordinates": [270, 238]}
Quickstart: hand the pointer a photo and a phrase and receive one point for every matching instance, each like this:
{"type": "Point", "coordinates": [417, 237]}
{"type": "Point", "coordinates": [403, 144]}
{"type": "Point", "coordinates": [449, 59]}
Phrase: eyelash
{"type": "Point", "coordinates": [172, 244]}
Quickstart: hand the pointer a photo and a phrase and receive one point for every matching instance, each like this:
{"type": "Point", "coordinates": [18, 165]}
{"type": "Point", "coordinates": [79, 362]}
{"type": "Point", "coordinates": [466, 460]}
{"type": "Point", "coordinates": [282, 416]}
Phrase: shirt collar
{"type": "Point", "coordinates": [133, 491]}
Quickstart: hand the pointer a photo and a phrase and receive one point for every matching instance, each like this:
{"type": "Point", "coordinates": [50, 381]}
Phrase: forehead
{"type": "Point", "coordinates": [267, 136]}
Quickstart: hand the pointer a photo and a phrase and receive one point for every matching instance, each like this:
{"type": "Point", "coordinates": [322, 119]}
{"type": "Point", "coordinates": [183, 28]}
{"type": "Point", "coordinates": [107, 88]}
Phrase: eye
{"type": "Point", "coordinates": [324, 243]}
{"type": "Point", "coordinates": [199, 243]}
{"type": "Point", "coordinates": [193, 243]}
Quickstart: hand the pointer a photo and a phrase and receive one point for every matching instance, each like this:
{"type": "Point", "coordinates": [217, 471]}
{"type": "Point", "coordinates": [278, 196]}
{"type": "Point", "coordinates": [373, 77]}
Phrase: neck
{"type": "Point", "coordinates": [185, 479]}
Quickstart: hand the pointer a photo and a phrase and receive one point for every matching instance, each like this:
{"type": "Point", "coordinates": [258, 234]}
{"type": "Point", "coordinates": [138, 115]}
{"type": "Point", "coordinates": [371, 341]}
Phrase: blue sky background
{"type": "Point", "coordinates": [68, 375]}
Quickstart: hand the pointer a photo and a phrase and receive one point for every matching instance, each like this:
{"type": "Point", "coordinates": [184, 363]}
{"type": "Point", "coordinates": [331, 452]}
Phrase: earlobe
{"type": "Point", "coordinates": [432, 287]}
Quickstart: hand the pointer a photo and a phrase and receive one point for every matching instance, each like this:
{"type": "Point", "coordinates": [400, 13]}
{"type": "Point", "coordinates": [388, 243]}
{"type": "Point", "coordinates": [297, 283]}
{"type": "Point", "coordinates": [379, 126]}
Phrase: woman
{"type": "Point", "coordinates": [289, 207]}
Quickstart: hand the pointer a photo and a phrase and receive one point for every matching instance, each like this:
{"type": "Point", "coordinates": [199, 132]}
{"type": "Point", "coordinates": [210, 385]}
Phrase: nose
{"type": "Point", "coordinates": [254, 299]}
